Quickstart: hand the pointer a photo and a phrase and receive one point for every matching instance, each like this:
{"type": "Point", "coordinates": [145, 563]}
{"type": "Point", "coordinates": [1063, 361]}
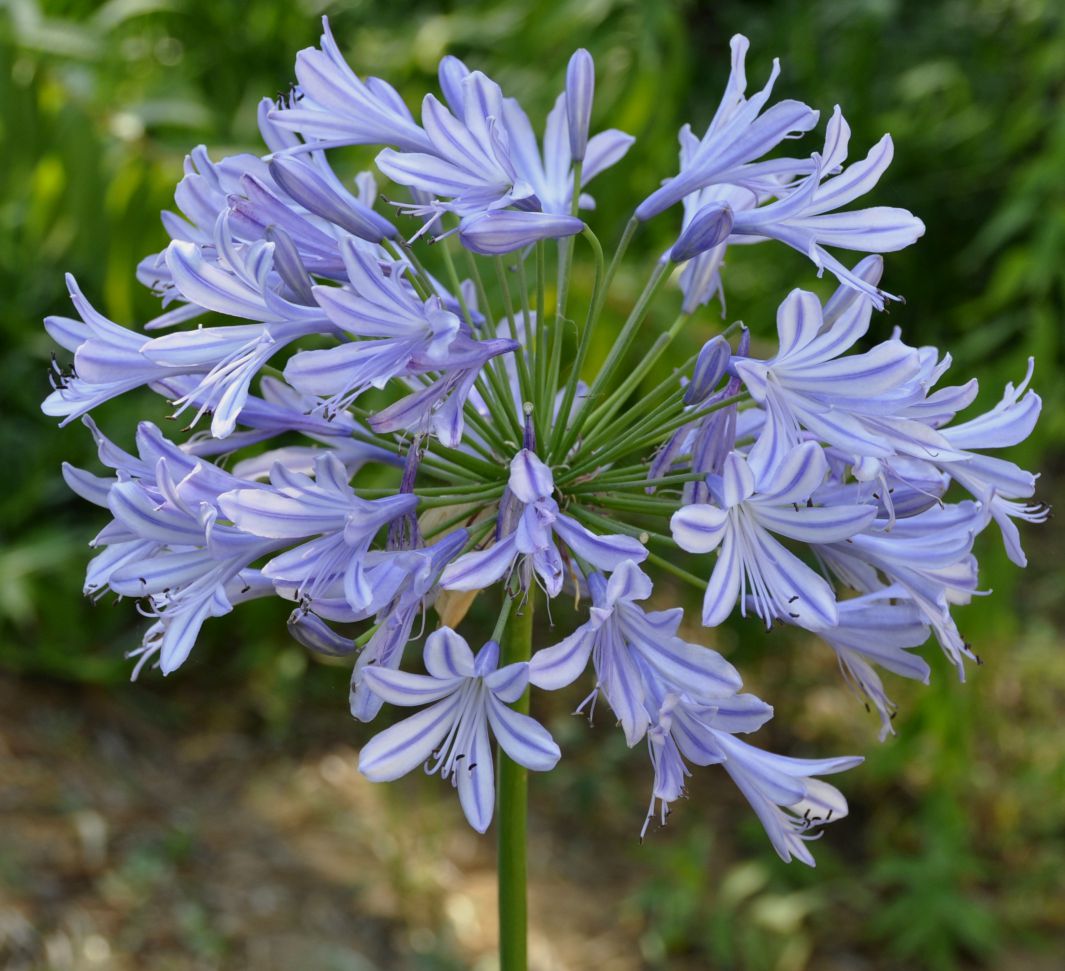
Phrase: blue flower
{"type": "Point", "coordinates": [483, 155]}
{"type": "Point", "coordinates": [854, 402]}
{"type": "Point", "coordinates": [790, 803]}
{"type": "Point", "coordinates": [529, 537]}
{"type": "Point", "coordinates": [996, 482]}
{"type": "Point", "coordinates": [396, 619]}
{"type": "Point", "coordinates": [333, 106]}
{"type": "Point", "coordinates": [629, 645]}
{"type": "Point", "coordinates": [326, 508]}
{"type": "Point", "coordinates": [739, 133]}
{"type": "Point", "coordinates": [740, 525]}
{"type": "Point", "coordinates": [928, 555]}
{"type": "Point", "coordinates": [806, 220]}
{"type": "Point", "coordinates": [108, 361]}
{"type": "Point", "coordinates": [504, 230]}
{"type": "Point", "coordinates": [466, 695]}
{"type": "Point", "coordinates": [398, 334]}
{"type": "Point", "coordinates": [166, 545]}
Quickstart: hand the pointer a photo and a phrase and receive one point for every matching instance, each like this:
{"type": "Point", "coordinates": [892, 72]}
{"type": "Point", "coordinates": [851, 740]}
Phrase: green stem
{"type": "Point", "coordinates": [513, 811]}
{"type": "Point", "coordinates": [645, 504]}
{"type": "Point", "coordinates": [524, 381]}
{"type": "Point", "coordinates": [462, 499]}
{"type": "Point", "coordinates": [670, 567]}
{"type": "Point", "coordinates": [419, 279]}
{"type": "Point", "coordinates": [605, 484]}
{"type": "Point", "coordinates": [569, 432]}
{"type": "Point", "coordinates": [541, 331]}
{"type": "Point", "coordinates": [623, 244]}
{"type": "Point", "coordinates": [644, 436]}
{"type": "Point", "coordinates": [594, 308]}
{"type": "Point", "coordinates": [609, 408]}
{"type": "Point", "coordinates": [456, 284]}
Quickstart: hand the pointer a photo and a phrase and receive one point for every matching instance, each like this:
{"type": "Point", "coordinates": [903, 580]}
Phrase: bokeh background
{"type": "Point", "coordinates": [217, 821]}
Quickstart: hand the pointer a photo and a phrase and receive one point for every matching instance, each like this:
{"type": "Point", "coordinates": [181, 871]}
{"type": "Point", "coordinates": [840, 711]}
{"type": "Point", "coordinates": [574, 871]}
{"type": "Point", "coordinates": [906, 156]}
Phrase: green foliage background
{"type": "Point", "coordinates": [955, 850]}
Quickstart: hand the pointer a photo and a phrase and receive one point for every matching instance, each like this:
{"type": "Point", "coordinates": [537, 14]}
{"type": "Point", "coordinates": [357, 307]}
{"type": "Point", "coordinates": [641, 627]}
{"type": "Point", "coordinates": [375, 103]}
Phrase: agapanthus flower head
{"type": "Point", "coordinates": [393, 427]}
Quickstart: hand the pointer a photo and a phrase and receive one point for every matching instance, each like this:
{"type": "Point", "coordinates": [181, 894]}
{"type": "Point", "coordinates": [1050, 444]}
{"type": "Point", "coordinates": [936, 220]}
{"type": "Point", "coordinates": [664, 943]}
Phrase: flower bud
{"type": "Point", "coordinates": [709, 369]}
{"type": "Point", "coordinates": [307, 186]}
{"type": "Point", "coordinates": [290, 266]}
{"type": "Point", "coordinates": [580, 87]}
{"type": "Point", "coordinates": [505, 230]}
{"type": "Point", "coordinates": [709, 226]}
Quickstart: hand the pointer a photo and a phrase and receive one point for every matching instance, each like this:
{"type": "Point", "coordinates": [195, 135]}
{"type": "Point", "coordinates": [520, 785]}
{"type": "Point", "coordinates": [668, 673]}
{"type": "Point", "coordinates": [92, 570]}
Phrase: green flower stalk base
{"type": "Point", "coordinates": [513, 814]}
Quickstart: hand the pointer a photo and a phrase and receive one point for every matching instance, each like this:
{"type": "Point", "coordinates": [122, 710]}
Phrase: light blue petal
{"type": "Point", "coordinates": [408, 744]}
{"type": "Point", "coordinates": [523, 738]}
{"type": "Point", "coordinates": [447, 655]}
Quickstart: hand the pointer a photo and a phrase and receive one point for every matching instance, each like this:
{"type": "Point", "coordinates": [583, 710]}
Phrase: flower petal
{"type": "Point", "coordinates": [523, 738]}
{"type": "Point", "coordinates": [406, 689]}
{"type": "Point", "coordinates": [481, 568]}
{"type": "Point", "coordinates": [407, 744]}
{"type": "Point", "coordinates": [447, 655]}
{"type": "Point", "coordinates": [604, 552]}
{"type": "Point", "coordinates": [699, 528]}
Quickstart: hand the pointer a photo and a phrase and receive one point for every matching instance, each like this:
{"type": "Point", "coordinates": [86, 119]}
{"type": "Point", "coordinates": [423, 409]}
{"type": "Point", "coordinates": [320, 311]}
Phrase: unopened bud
{"type": "Point", "coordinates": [580, 88]}
{"type": "Point", "coordinates": [502, 231]}
{"type": "Point", "coordinates": [709, 369]}
{"type": "Point", "coordinates": [309, 187]}
{"type": "Point", "coordinates": [709, 226]}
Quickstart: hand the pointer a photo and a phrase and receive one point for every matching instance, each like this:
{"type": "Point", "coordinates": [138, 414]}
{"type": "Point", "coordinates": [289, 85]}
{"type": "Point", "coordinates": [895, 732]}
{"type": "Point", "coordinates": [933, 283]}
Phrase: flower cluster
{"type": "Point", "coordinates": [368, 435]}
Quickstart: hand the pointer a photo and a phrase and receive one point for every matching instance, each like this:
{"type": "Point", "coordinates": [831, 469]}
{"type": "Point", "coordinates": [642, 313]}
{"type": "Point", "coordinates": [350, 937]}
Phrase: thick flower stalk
{"type": "Point", "coordinates": [374, 423]}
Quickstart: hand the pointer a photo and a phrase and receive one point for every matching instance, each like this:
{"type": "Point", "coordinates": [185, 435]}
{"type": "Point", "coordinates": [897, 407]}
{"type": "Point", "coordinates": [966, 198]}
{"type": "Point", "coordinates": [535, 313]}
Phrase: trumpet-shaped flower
{"type": "Point", "coordinates": [741, 525]}
{"type": "Point", "coordinates": [467, 696]}
{"type": "Point", "coordinates": [531, 538]}
{"type": "Point", "coordinates": [628, 644]}
{"type": "Point", "coordinates": [327, 508]}
{"type": "Point", "coordinates": [739, 134]}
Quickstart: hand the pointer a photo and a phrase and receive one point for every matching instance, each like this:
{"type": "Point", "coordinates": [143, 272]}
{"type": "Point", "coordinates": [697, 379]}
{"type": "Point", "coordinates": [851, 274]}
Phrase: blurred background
{"type": "Point", "coordinates": [217, 821]}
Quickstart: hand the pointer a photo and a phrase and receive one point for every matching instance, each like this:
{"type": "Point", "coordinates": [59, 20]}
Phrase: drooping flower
{"type": "Point", "coordinates": [466, 696]}
{"type": "Point", "coordinates": [790, 803]}
{"type": "Point", "coordinates": [397, 334]}
{"type": "Point", "coordinates": [1000, 485]}
{"type": "Point", "coordinates": [929, 556]}
{"type": "Point", "coordinates": [108, 361]}
{"type": "Point", "coordinates": [628, 644]}
{"type": "Point", "coordinates": [807, 219]}
{"type": "Point", "coordinates": [396, 619]}
{"type": "Point", "coordinates": [168, 547]}
{"type": "Point", "coordinates": [336, 523]}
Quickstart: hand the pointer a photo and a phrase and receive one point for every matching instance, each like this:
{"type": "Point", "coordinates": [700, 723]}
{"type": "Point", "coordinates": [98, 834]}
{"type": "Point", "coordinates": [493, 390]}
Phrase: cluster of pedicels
{"type": "Point", "coordinates": [808, 487]}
